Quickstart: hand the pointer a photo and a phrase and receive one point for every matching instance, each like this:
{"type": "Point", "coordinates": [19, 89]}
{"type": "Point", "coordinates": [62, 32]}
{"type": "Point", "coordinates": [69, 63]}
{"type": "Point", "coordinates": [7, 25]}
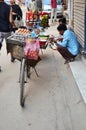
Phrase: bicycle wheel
{"type": "Point", "coordinates": [23, 78]}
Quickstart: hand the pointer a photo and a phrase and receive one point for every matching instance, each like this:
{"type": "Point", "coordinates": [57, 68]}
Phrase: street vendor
{"type": "Point", "coordinates": [69, 46]}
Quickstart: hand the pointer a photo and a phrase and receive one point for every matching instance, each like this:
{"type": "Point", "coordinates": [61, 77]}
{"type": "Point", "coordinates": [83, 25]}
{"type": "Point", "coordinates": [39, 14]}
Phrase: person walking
{"type": "Point", "coordinates": [39, 5]}
{"type": "Point", "coordinates": [17, 22]}
{"type": "Point", "coordinates": [17, 14]}
{"type": "Point", "coordinates": [53, 10]}
{"type": "Point", "coordinates": [5, 21]}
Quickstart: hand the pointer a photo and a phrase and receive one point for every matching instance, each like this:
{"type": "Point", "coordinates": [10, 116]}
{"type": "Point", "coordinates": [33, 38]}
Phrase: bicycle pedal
{"type": "Point", "coordinates": [24, 81]}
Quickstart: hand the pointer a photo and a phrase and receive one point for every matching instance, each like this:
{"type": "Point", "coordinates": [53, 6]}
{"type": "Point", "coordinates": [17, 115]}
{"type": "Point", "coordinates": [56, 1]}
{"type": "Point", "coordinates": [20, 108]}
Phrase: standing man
{"type": "Point", "coordinates": [5, 21]}
{"type": "Point", "coordinates": [53, 10]}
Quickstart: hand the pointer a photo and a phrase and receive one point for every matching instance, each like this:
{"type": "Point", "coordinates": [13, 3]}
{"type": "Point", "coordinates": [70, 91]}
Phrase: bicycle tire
{"type": "Point", "coordinates": [22, 82]}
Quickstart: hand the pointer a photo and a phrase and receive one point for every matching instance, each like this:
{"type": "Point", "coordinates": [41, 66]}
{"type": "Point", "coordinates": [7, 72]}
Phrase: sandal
{"type": "Point", "coordinates": [67, 61]}
{"type": "Point", "coordinates": [72, 59]}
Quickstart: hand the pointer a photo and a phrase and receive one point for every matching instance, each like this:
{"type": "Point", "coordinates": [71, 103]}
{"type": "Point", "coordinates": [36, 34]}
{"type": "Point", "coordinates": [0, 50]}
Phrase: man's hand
{"type": "Point", "coordinates": [13, 13]}
{"type": "Point", "coordinates": [59, 39]}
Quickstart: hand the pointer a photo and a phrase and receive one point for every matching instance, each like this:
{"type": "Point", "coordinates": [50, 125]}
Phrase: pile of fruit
{"type": "Point", "coordinates": [32, 54]}
{"type": "Point", "coordinates": [22, 31]}
{"type": "Point", "coordinates": [44, 21]}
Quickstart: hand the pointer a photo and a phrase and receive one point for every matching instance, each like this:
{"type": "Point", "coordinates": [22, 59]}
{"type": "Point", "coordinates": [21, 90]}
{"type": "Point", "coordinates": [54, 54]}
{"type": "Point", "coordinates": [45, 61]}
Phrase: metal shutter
{"type": "Point", "coordinates": [79, 20]}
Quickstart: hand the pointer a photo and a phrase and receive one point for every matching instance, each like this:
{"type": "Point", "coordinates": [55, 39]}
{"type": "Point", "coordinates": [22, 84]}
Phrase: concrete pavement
{"type": "Point", "coordinates": [53, 100]}
{"type": "Point", "coordinates": [78, 67]}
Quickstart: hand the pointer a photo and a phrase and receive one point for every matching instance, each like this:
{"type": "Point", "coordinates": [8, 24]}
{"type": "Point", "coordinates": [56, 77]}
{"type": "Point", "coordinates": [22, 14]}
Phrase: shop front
{"type": "Point", "coordinates": [79, 22]}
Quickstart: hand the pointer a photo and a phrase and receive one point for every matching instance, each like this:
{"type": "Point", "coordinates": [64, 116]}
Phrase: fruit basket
{"type": "Point", "coordinates": [15, 44]}
{"type": "Point", "coordinates": [44, 19]}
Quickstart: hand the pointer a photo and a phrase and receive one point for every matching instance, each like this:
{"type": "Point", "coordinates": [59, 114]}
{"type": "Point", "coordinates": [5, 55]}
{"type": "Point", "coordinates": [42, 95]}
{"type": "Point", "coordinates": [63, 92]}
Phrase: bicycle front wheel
{"type": "Point", "coordinates": [22, 81]}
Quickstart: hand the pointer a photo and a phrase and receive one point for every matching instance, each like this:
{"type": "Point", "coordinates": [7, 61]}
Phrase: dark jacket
{"type": "Point", "coordinates": [18, 11]}
{"type": "Point", "coordinates": [4, 17]}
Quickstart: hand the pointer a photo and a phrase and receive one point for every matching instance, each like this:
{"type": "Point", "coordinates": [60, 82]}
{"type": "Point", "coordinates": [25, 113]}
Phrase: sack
{"type": "Point", "coordinates": [18, 23]}
{"type": "Point", "coordinates": [31, 49]}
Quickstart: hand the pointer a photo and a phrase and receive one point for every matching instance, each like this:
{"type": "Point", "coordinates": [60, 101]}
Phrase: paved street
{"type": "Point", "coordinates": [53, 99]}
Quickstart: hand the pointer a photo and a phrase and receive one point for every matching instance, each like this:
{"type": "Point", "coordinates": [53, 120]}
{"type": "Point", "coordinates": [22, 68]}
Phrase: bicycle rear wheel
{"type": "Point", "coordinates": [23, 81]}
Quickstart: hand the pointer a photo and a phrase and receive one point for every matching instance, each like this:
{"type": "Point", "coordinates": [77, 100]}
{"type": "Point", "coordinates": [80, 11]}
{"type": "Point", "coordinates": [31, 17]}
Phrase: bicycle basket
{"type": "Point", "coordinates": [18, 52]}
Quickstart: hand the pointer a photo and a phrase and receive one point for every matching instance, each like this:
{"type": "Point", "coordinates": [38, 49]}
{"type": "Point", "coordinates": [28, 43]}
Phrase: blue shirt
{"type": "Point", "coordinates": [70, 41]}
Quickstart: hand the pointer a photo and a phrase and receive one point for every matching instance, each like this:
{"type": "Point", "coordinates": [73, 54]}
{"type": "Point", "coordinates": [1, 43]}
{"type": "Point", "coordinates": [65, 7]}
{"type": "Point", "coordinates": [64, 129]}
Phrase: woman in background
{"type": "Point", "coordinates": [16, 12]}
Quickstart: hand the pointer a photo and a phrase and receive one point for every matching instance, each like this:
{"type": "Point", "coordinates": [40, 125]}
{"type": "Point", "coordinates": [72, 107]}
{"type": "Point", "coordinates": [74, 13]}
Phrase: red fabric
{"type": "Point", "coordinates": [42, 43]}
{"type": "Point", "coordinates": [53, 4]}
{"type": "Point", "coordinates": [31, 16]}
{"type": "Point", "coordinates": [43, 13]}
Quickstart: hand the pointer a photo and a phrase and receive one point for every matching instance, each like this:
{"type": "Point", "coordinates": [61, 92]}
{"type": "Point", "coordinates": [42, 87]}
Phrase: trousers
{"type": "Point", "coordinates": [65, 53]}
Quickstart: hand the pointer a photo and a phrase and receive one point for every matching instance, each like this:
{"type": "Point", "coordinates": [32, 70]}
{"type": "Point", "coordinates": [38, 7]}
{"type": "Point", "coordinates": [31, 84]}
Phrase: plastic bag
{"type": "Point", "coordinates": [31, 49]}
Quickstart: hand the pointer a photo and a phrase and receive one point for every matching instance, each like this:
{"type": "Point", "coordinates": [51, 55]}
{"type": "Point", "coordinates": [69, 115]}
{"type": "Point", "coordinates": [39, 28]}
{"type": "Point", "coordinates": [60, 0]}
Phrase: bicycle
{"type": "Point", "coordinates": [26, 64]}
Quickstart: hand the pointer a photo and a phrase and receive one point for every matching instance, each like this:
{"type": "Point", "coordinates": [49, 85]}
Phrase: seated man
{"type": "Point", "coordinates": [69, 46]}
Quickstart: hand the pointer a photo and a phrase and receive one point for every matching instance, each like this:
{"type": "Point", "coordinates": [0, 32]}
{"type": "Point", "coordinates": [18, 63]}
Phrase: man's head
{"type": "Point", "coordinates": [62, 20]}
{"type": "Point", "coordinates": [12, 2]}
{"type": "Point", "coordinates": [61, 28]}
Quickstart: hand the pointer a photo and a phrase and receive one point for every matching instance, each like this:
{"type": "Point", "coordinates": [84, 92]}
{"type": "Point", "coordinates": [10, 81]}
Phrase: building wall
{"type": "Point", "coordinates": [70, 13]}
